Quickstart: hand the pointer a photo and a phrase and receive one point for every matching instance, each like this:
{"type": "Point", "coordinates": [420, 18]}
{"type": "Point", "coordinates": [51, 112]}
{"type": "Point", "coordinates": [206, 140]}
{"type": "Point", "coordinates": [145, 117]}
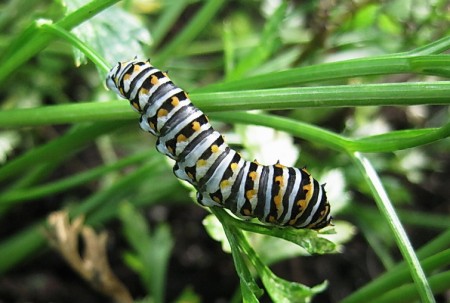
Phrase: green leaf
{"type": "Point", "coordinates": [115, 41]}
{"type": "Point", "coordinates": [188, 296]}
{"type": "Point", "coordinates": [388, 25]}
{"type": "Point", "coordinates": [310, 240]}
{"type": "Point", "coordinates": [151, 248]}
{"type": "Point", "coordinates": [282, 291]}
{"type": "Point", "coordinates": [215, 231]}
{"type": "Point", "coordinates": [269, 42]}
{"type": "Point", "coordinates": [366, 16]}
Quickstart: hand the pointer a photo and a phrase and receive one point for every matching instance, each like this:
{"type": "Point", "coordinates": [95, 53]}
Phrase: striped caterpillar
{"type": "Point", "coordinates": [275, 194]}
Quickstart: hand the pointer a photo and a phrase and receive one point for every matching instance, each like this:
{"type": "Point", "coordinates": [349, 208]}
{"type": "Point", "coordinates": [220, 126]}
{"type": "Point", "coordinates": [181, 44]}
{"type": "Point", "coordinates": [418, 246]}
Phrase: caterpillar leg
{"type": "Point", "coordinates": [206, 201]}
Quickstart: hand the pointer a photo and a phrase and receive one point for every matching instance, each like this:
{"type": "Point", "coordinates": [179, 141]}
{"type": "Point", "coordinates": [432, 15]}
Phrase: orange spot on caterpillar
{"type": "Point", "coordinates": [152, 125]}
{"type": "Point", "coordinates": [224, 183]}
{"type": "Point", "coordinates": [277, 201]}
{"type": "Point", "coordinates": [154, 80]}
{"type": "Point", "coordinates": [247, 212]}
{"type": "Point", "coordinates": [181, 138]}
{"type": "Point", "coordinates": [162, 112]}
{"type": "Point", "coordinates": [196, 126]}
{"type": "Point", "coordinates": [201, 162]}
{"type": "Point", "coordinates": [253, 175]}
{"type": "Point", "coordinates": [143, 91]}
{"type": "Point", "coordinates": [214, 148]}
{"type": "Point", "coordinates": [250, 194]}
{"type": "Point", "coordinates": [301, 204]}
{"type": "Point", "coordinates": [279, 180]}
{"type": "Point", "coordinates": [175, 101]}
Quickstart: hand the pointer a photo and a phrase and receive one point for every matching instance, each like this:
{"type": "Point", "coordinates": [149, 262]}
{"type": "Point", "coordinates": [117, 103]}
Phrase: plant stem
{"type": "Point", "coordinates": [385, 206]}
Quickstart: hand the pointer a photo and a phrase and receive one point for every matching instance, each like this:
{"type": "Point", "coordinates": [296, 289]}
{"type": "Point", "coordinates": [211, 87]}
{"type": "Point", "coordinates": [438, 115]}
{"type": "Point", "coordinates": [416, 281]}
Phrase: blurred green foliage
{"type": "Point", "coordinates": [343, 77]}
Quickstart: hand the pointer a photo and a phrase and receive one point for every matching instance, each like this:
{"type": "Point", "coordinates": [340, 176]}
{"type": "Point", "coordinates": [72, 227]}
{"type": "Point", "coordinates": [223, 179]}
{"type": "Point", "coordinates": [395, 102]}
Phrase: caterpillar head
{"type": "Point", "coordinates": [324, 217]}
{"type": "Point", "coordinates": [115, 76]}
{"type": "Point", "coordinates": [120, 77]}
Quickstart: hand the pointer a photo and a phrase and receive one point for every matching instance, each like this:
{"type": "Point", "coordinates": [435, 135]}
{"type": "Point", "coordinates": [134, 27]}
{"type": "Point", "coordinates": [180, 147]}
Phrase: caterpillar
{"type": "Point", "coordinates": [275, 194]}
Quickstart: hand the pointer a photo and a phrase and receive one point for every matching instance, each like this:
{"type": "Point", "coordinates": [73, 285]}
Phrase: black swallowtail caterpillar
{"type": "Point", "coordinates": [276, 194]}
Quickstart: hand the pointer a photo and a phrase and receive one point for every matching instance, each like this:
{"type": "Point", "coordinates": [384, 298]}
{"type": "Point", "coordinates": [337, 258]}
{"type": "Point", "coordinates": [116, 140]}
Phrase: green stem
{"type": "Point", "coordinates": [397, 277]}
{"type": "Point", "coordinates": [269, 99]}
{"type": "Point", "coordinates": [76, 42]}
{"type": "Point", "coordinates": [57, 149]}
{"type": "Point", "coordinates": [384, 65]}
{"type": "Point", "coordinates": [408, 293]}
{"type": "Point", "coordinates": [327, 96]}
{"type": "Point", "coordinates": [389, 279]}
{"type": "Point", "coordinates": [117, 111]}
{"type": "Point", "coordinates": [435, 47]}
{"type": "Point", "coordinates": [385, 206]}
{"type": "Point", "coordinates": [423, 60]}
{"type": "Point", "coordinates": [23, 195]}
{"type": "Point", "coordinates": [190, 30]}
{"type": "Point", "coordinates": [249, 288]}
{"type": "Point", "coordinates": [167, 20]}
{"type": "Point", "coordinates": [34, 39]}
{"type": "Point", "coordinates": [67, 113]}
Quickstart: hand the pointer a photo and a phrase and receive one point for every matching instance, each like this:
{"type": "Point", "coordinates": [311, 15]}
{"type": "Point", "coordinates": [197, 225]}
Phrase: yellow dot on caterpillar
{"type": "Point", "coordinates": [201, 162]}
{"type": "Point", "coordinates": [253, 175]}
{"type": "Point", "coordinates": [196, 126]}
{"type": "Point", "coordinates": [224, 183]}
{"type": "Point", "coordinates": [301, 204]}
{"type": "Point", "coordinates": [214, 148]}
{"type": "Point", "coordinates": [279, 180]}
{"type": "Point", "coordinates": [127, 77]}
{"type": "Point", "coordinates": [181, 138]}
{"type": "Point", "coordinates": [234, 166]}
{"type": "Point", "coordinates": [154, 80]}
{"type": "Point", "coordinates": [247, 212]}
{"type": "Point", "coordinates": [190, 176]}
{"type": "Point", "coordinates": [307, 187]}
{"type": "Point", "coordinates": [277, 200]}
{"type": "Point", "coordinates": [217, 200]}
{"type": "Point", "coordinates": [250, 194]}
{"type": "Point", "coordinates": [175, 101]}
{"type": "Point", "coordinates": [162, 112]}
